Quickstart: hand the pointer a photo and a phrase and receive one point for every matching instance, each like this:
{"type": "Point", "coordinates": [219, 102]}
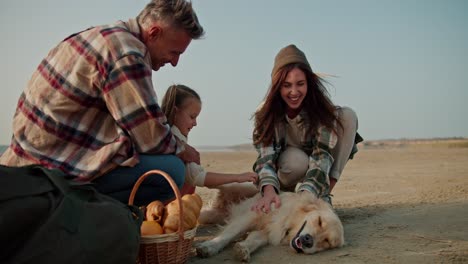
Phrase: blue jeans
{"type": "Point", "coordinates": [119, 182]}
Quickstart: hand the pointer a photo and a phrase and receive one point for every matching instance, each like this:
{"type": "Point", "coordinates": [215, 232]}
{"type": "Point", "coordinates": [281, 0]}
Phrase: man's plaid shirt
{"type": "Point", "coordinates": [90, 106]}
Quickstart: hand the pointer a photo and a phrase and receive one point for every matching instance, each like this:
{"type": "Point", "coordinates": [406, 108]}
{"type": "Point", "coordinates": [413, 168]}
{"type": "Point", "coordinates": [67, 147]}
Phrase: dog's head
{"type": "Point", "coordinates": [319, 229]}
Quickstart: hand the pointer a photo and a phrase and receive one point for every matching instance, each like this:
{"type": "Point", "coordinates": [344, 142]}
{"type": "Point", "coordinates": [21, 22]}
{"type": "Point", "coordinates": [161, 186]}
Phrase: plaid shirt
{"type": "Point", "coordinates": [318, 148]}
{"type": "Point", "coordinates": [90, 106]}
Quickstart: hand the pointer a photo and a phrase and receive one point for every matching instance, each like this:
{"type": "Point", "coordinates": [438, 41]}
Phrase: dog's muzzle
{"type": "Point", "coordinates": [302, 241]}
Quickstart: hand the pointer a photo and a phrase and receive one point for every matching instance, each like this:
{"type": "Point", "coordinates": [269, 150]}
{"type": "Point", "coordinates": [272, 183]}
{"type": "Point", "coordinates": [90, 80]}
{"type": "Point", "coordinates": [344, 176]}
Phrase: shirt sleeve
{"type": "Point", "coordinates": [130, 97]}
{"type": "Point", "coordinates": [320, 162]}
{"type": "Point", "coordinates": [195, 175]}
{"type": "Point", "coordinates": [265, 167]}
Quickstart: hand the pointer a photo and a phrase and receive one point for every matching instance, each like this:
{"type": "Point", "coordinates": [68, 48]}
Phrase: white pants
{"type": "Point", "coordinates": [293, 163]}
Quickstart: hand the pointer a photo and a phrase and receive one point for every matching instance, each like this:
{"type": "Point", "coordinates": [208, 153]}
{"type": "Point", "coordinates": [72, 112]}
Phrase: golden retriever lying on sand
{"type": "Point", "coordinates": [306, 223]}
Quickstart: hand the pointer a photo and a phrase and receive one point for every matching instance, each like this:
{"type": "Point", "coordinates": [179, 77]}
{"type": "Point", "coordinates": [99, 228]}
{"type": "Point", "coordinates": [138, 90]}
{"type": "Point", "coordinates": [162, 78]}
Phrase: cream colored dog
{"type": "Point", "coordinates": [306, 223]}
{"type": "Point", "coordinates": [227, 196]}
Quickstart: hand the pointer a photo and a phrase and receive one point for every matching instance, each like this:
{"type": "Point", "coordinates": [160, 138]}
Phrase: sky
{"type": "Point", "coordinates": [402, 65]}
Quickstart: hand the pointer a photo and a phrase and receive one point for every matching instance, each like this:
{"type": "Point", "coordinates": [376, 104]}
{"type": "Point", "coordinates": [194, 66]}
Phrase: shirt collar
{"type": "Point", "coordinates": [175, 130]}
{"type": "Point", "coordinates": [134, 27]}
{"type": "Point", "coordinates": [298, 119]}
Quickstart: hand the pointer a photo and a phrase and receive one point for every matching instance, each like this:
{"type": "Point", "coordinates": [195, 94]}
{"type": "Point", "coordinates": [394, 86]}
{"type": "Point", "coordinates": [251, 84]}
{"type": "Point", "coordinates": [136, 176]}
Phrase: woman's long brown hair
{"type": "Point", "coordinates": [317, 104]}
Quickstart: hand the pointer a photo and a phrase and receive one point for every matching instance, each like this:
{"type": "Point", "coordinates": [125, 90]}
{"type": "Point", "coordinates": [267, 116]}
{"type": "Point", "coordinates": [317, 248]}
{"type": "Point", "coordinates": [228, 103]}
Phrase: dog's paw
{"type": "Point", "coordinates": [206, 249]}
{"type": "Point", "coordinates": [241, 252]}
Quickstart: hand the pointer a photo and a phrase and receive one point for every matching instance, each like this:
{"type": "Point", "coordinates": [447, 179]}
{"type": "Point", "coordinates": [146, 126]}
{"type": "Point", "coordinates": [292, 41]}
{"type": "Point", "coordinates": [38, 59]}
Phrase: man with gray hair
{"type": "Point", "coordinates": [90, 108]}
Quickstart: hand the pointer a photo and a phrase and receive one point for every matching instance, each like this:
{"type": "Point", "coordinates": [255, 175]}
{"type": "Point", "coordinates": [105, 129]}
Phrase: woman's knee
{"type": "Point", "coordinates": [292, 166]}
{"type": "Point", "coordinates": [348, 117]}
{"type": "Point", "coordinates": [293, 159]}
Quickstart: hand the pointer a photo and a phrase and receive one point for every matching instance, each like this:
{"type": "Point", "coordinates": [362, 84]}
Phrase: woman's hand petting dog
{"type": "Point", "coordinates": [265, 203]}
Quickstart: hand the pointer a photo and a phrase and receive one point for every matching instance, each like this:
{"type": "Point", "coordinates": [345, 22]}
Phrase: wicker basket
{"type": "Point", "coordinates": [171, 248]}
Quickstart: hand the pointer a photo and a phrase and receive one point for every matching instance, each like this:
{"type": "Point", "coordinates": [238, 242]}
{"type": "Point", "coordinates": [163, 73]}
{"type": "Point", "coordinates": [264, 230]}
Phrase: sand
{"type": "Point", "coordinates": [399, 201]}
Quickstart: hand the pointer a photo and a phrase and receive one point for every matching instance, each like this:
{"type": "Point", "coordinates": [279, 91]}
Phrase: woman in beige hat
{"type": "Point", "coordinates": [303, 139]}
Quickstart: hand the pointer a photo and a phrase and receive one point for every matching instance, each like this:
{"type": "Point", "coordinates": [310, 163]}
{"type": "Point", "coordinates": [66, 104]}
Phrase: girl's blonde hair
{"type": "Point", "coordinates": [175, 96]}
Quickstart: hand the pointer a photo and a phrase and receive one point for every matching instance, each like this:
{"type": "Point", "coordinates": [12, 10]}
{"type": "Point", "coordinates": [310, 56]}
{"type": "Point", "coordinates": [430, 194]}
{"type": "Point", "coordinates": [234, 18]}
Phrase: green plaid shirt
{"type": "Point", "coordinates": [318, 148]}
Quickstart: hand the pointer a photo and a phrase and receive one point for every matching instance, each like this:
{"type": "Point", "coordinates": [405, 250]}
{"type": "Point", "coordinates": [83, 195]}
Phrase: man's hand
{"type": "Point", "coordinates": [190, 154]}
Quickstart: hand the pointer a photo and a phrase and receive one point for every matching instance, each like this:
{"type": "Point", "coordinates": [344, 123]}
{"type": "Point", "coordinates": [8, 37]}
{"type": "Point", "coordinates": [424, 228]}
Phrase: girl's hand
{"type": "Point", "coordinates": [248, 177]}
{"type": "Point", "coordinates": [263, 205]}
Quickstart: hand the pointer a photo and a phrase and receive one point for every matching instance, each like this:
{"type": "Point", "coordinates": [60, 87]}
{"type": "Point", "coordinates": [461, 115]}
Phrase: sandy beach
{"type": "Point", "coordinates": [399, 201]}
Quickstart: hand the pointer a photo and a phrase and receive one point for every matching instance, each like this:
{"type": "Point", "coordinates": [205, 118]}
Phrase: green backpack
{"type": "Point", "coordinates": [47, 218]}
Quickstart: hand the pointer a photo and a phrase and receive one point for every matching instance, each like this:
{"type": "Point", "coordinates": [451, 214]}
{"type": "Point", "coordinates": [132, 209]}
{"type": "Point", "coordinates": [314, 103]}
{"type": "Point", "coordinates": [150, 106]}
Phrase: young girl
{"type": "Point", "coordinates": [303, 140]}
{"type": "Point", "coordinates": [182, 105]}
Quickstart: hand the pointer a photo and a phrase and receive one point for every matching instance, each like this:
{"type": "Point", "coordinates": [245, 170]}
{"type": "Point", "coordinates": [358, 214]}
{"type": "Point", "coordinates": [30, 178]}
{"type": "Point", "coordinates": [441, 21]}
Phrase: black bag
{"type": "Point", "coordinates": [47, 218]}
